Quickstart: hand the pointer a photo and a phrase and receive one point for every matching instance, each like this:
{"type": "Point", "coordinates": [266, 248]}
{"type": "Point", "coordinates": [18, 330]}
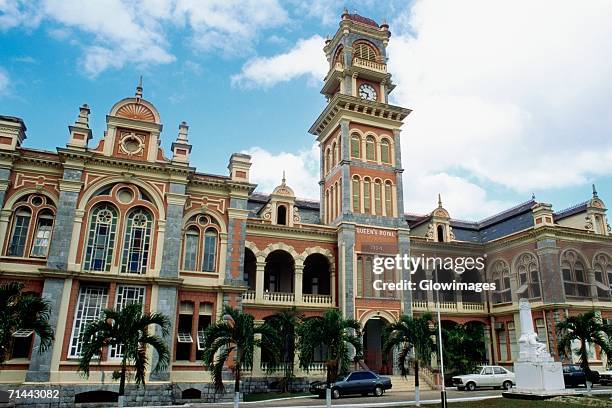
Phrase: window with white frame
{"type": "Point", "coordinates": [137, 241]}
{"type": "Point", "coordinates": [42, 235]}
{"type": "Point", "coordinates": [184, 338]}
{"type": "Point", "coordinates": [501, 277]}
{"type": "Point", "coordinates": [529, 280]}
{"type": "Point", "coordinates": [91, 301]}
{"type": "Point", "coordinates": [101, 238]}
{"type": "Point", "coordinates": [126, 295]}
{"type": "Point", "coordinates": [201, 244]}
{"type": "Point", "coordinates": [19, 234]}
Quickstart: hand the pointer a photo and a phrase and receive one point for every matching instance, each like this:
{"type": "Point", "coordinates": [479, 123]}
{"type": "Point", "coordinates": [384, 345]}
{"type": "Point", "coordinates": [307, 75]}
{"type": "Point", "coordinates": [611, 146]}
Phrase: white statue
{"type": "Point", "coordinates": [530, 349]}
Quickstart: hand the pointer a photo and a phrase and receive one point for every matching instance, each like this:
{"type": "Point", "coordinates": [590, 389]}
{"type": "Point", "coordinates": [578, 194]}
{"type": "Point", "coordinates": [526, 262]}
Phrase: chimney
{"type": "Point", "coordinates": [542, 215]}
{"type": "Point", "coordinates": [239, 167]}
{"type": "Point", "coordinates": [181, 147]}
{"type": "Point", "coordinates": [80, 133]}
{"type": "Point", "coordinates": [12, 132]}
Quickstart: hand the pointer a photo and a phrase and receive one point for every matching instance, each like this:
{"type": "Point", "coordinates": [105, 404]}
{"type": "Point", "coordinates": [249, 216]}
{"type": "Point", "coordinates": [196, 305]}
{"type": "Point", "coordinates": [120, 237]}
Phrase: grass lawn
{"type": "Point", "coordinates": [263, 396]}
{"type": "Point", "coordinates": [559, 402]}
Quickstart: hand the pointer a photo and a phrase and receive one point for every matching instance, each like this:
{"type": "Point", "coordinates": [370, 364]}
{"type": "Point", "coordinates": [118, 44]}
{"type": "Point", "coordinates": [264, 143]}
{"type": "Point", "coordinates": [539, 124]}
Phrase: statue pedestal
{"type": "Point", "coordinates": [538, 376]}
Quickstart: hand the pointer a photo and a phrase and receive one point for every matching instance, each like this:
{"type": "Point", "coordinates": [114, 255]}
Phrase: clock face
{"type": "Point", "coordinates": [367, 92]}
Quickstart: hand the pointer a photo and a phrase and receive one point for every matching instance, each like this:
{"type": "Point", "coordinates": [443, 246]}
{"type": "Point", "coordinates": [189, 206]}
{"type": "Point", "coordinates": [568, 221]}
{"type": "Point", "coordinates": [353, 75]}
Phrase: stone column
{"type": "Point", "coordinates": [168, 295]}
{"type": "Point", "coordinates": [40, 364]}
{"type": "Point", "coordinates": [236, 237]}
{"type": "Point", "coordinates": [550, 271]}
{"type": "Point", "coordinates": [5, 215]}
{"type": "Point", "coordinates": [346, 244]}
{"type": "Point", "coordinates": [259, 280]}
{"type": "Point", "coordinates": [298, 274]}
{"type": "Point", "coordinates": [256, 370]}
{"type": "Point", "coordinates": [59, 248]}
{"type": "Point", "coordinates": [403, 242]}
{"type": "Point", "coordinates": [332, 284]}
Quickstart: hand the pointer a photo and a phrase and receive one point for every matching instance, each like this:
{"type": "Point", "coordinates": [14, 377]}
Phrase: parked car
{"type": "Point", "coordinates": [357, 382]}
{"type": "Point", "coordinates": [574, 375]}
{"type": "Point", "coordinates": [605, 378]}
{"type": "Point", "coordinates": [485, 376]}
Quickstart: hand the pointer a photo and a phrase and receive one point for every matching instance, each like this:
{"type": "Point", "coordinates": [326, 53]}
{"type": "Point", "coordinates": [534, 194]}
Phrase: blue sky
{"type": "Point", "coordinates": [499, 112]}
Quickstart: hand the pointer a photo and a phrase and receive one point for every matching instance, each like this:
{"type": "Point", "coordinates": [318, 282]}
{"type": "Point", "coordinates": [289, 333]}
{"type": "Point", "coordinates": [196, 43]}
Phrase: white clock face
{"type": "Point", "coordinates": [367, 92]}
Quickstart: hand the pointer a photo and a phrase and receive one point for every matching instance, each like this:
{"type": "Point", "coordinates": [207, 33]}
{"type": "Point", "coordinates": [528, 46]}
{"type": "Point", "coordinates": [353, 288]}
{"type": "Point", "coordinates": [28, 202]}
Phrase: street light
{"type": "Point", "coordinates": [443, 389]}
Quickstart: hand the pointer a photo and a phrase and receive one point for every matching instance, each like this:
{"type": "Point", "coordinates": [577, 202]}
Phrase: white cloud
{"type": "Point", "coordinates": [301, 169]}
{"type": "Point", "coordinates": [4, 82]}
{"type": "Point", "coordinates": [512, 94]}
{"type": "Point", "coordinates": [305, 58]}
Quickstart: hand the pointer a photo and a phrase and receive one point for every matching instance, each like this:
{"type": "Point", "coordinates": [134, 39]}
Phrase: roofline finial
{"type": "Point", "coordinates": [594, 191]}
{"type": "Point", "coordinates": [439, 201]}
{"type": "Point", "coordinates": [533, 196]}
{"type": "Point", "coordinates": [284, 180]}
{"type": "Point", "coordinates": [139, 88]}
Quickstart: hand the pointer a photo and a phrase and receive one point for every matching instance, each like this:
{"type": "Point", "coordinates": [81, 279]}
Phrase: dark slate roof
{"type": "Point", "coordinates": [575, 209]}
{"type": "Point", "coordinates": [14, 119]}
{"type": "Point", "coordinates": [309, 209]}
{"type": "Point", "coordinates": [363, 20]}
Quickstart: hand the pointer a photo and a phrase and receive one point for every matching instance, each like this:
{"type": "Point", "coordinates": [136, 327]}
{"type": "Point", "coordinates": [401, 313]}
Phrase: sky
{"type": "Point", "coordinates": [509, 99]}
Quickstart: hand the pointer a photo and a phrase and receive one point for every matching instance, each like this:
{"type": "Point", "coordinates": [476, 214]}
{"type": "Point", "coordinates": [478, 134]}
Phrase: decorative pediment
{"type": "Point", "coordinates": [136, 111]}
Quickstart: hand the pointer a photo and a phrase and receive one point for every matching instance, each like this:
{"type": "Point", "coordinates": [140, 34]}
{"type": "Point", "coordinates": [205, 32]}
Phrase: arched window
{"type": "Point", "coordinates": [19, 235]}
{"type": "Point", "coordinates": [364, 51]}
{"type": "Point", "coordinates": [200, 244]}
{"type": "Point", "coordinates": [367, 203]}
{"type": "Point", "coordinates": [389, 199]}
{"type": "Point", "coordinates": [355, 146]}
{"type": "Point", "coordinates": [137, 241]}
{"type": "Point", "coordinates": [328, 160]}
{"type": "Point", "coordinates": [210, 250]}
{"type": "Point", "coordinates": [377, 197]}
{"type": "Point", "coordinates": [603, 276]}
{"type": "Point", "coordinates": [575, 279]}
{"type": "Point", "coordinates": [440, 232]}
{"type": "Point", "coordinates": [42, 234]}
{"type": "Point", "coordinates": [281, 215]}
{"type": "Point", "coordinates": [370, 148]}
{"type": "Point", "coordinates": [101, 238]}
{"type": "Point", "coordinates": [385, 151]}
{"type": "Point", "coordinates": [356, 194]}
{"type": "Point", "coordinates": [338, 199]}
{"type": "Point", "coordinates": [529, 280]}
{"type": "Point", "coordinates": [501, 278]}
{"type": "Point", "coordinates": [336, 155]}
{"type": "Point", "coordinates": [333, 202]}
{"type": "Point", "coordinates": [339, 57]}
{"type": "Point", "coordinates": [192, 240]}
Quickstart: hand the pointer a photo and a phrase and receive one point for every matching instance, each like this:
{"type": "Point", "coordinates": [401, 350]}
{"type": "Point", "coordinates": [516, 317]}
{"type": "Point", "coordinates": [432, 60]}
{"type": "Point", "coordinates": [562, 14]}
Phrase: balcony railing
{"type": "Point", "coordinates": [279, 297]}
{"type": "Point", "coordinates": [474, 307]}
{"type": "Point", "coordinates": [373, 65]}
{"type": "Point", "coordinates": [317, 299]}
{"type": "Point", "coordinates": [249, 295]}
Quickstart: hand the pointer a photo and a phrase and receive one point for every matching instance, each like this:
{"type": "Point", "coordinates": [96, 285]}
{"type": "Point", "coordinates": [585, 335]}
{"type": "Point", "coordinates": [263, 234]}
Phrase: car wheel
{"type": "Point", "coordinates": [378, 391]}
{"type": "Point", "coordinates": [507, 385]}
{"type": "Point", "coordinates": [335, 393]}
{"type": "Point", "coordinates": [470, 386]}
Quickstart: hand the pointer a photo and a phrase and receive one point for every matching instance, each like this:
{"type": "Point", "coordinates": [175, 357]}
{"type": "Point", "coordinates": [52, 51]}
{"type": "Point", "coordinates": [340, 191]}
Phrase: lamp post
{"type": "Point", "coordinates": [443, 389]}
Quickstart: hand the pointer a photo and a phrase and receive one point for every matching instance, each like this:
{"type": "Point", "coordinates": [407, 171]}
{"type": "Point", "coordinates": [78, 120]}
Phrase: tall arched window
{"type": "Point", "coordinates": [42, 234]}
{"type": "Point", "coordinates": [385, 151]}
{"type": "Point", "coordinates": [356, 194]}
{"type": "Point", "coordinates": [335, 154]}
{"type": "Point", "coordinates": [19, 235]}
{"type": "Point", "coordinates": [529, 280]}
{"type": "Point", "coordinates": [333, 203]}
{"type": "Point", "coordinates": [328, 160]}
{"type": "Point", "coordinates": [101, 238]}
{"type": "Point", "coordinates": [137, 241]}
{"type": "Point", "coordinates": [440, 233]}
{"type": "Point", "coordinates": [389, 199]}
{"type": "Point", "coordinates": [370, 148]}
{"type": "Point", "coordinates": [338, 198]}
{"type": "Point", "coordinates": [367, 198]}
{"type": "Point", "coordinates": [575, 279]}
{"type": "Point", "coordinates": [281, 215]}
{"type": "Point", "coordinates": [377, 197]}
{"type": "Point", "coordinates": [501, 277]}
{"type": "Point", "coordinates": [327, 206]}
{"type": "Point", "coordinates": [339, 57]}
{"type": "Point", "coordinates": [355, 146]}
{"type": "Point", "coordinates": [364, 51]}
{"type": "Point", "coordinates": [602, 265]}
{"type": "Point", "coordinates": [201, 244]}
{"type": "Point", "coordinates": [192, 240]}
{"type": "Point", "coordinates": [210, 250]}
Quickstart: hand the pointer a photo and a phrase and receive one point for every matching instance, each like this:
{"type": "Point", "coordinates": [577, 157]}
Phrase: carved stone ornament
{"type": "Point", "coordinates": [297, 218]}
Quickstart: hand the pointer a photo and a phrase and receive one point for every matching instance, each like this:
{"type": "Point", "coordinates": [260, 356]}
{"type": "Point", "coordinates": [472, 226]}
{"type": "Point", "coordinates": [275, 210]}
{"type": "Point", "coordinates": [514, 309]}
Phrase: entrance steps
{"type": "Point", "coordinates": [407, 383]}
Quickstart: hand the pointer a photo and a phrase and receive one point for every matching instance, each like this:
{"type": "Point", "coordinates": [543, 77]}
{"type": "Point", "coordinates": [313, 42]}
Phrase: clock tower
{"type": "Point", "coordinates": [361, 171]}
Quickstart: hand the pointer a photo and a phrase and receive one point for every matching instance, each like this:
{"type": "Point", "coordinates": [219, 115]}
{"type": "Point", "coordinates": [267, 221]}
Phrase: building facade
{"type": "Point", "coordinates": [104, 223]}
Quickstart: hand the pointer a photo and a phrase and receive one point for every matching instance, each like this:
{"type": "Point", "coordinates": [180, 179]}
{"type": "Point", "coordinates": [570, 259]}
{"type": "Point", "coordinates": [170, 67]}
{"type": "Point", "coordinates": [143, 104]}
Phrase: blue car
{"type": "Point", "coordinates": [357, 382]}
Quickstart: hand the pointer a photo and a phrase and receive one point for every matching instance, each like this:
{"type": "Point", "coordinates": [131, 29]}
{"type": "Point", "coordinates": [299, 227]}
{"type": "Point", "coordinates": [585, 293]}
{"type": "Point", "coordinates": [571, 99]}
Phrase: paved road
{"type": "Point", "coordinates": [391, 398]}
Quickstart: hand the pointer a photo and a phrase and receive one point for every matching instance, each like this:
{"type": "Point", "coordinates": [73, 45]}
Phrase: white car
{"type": "Point", "coordinates": [485, 376]}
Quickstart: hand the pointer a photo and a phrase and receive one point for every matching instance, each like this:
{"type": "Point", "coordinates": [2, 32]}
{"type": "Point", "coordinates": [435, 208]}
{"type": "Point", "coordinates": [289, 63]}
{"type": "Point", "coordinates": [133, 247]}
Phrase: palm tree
{"type": "Point", "coordinates": [128, 331]}
{"type": "Point", "coordinates": [22, 311]}
{"type": "Point", "coordinates": [336, 335]}
{"type": "Point", "coordinates": [408, 334]}
{"type": "Point", "coordinates": [464, 347]}
{"type": "Point", "coordinates": [234, 334]}
{"type": "Point", "coordinates": [285, 324]}
{"type": "Point", "coordinates": [584, 328]}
